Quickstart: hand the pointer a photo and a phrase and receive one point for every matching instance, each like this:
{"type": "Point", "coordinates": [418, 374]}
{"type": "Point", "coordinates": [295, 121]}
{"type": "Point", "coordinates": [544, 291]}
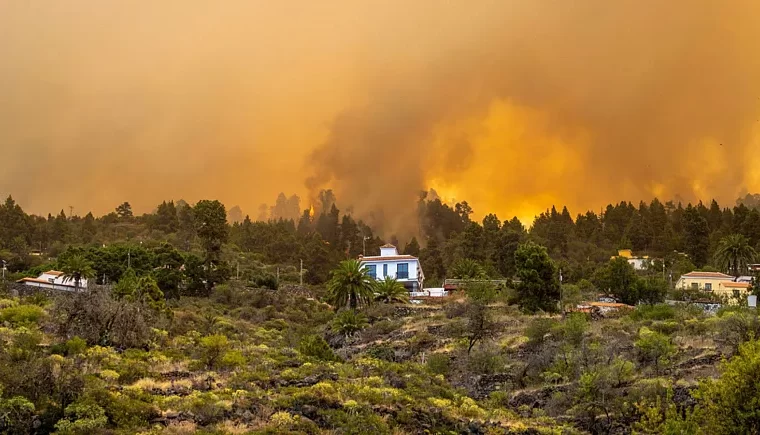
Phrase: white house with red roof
{"type": "Point", "coordinates": [406, 269]}
{"type": "Point", "coordinates": [716, 282]}
{"type": "Point", "coordinates": [53, 279]}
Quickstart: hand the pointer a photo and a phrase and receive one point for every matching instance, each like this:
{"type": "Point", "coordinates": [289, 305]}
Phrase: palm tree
{"type": "Point", "coordinates": [389, 291]}
{"type": "Point", "coordinates": [466, 268]}
{"type": "Point", "coordinates": [734, 253]}
{"type": "Point", "coordinates": [351, 284]}
{"type": "Point", "coordinates": [76, 268]}
{"type": "Point", "coordinates": [349, 322]}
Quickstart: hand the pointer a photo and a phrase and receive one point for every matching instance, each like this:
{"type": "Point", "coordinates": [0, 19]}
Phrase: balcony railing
{"type": "Point", "coordinates": [402, 275]}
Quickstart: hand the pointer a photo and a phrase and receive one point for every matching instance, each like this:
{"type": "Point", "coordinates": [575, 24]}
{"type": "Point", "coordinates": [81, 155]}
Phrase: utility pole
{"type": "Point", "coordinates": [364, 244]}
{"type": "Point", "coordinates": [561, 307]}
{"type": "Point", "coordinates": [4, 263]}
{"type": "Point", "coordinates": [301, 272]}
{"type": "Point", "coordinates": [71, 212]}
{"type": "Point", "coordinates": [129, 259]}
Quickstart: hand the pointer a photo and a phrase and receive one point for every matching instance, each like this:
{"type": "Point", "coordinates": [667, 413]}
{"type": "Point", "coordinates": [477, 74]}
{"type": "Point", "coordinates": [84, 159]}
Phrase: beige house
{"type": "Point", "coordinates": [734, 289]}
{"type": "Point", "coordinates": [718, 283]}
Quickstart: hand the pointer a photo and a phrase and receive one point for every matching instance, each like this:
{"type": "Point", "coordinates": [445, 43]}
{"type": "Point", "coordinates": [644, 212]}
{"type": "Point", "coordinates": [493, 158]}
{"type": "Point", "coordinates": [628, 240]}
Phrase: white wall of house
{"type": "Point", "coordinates": [639, 263]}
{"type": "Point", "coordinates": [59, 280]}
{"type": "Point", "coordinates": [389, 268]}
{"type": "Point", "coordinates": [54, 280]}
{"type": "Point", "coordinates": [388, 250]}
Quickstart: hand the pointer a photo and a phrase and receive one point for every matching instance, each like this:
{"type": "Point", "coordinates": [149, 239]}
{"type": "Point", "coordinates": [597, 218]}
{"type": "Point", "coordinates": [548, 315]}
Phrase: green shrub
{"type": "Point", "coordinates": [130, 370]}
{"type": "Point", "coordinates": [653, 347]}
{"type": "Point", "coordinates": [573, 328]}
{"type": "Point", "coordinates": [696, 327]}
{"type": "Point", "coordinates": [439, 364]}
{"type": "Point", "coordinates": [382, 351]}
{"type": "Point", "coordinates": [653, 312]}
{"type": "Point", "coordinates": [226, 294]}
{"type": "Point", "coordinates": [730, 403]}
{"type": "Point", "coordinates": [538, 329]}
{"type": "Point", "coordinates": [485, 360]}
{"type": "Point", "coordinates": [16, 415]}
{"type": "Point", "coordinates": [737, 325]}
{"type": "Point", "coordinates": [356, 422]}
{"type": "Point", "coordinates": [267, 281]}
{"type": "Point", "coordinates": [663, 417]}
{"type": "Point", "coordinates": [207, 407]}
{"type": "Point", "coordinates": [124, 410]}
{"type": "Point", "coordinates": [37, 298]}
{"type": "Point", "coordinates": [667, 327]}
{"type": "Point", "coordinates": [76, 346]}
{"type": "Point", "coordinates": [212, 349]}
{"type": "Point", "coordinates": [5, 303]}
{"type": "Point", "coordinates": [316, 347]}
{"type": "Point", "coordinates": [232, 359]}
{"type": "Point", "coordinates": [20, 315]}
{"type": "Point", "coordinates": [25, 345]}
{"type": "Point", "coordinates": [82, 418]}
{"type": "Point", "coordinates": [648, 390]}
{"type": "Point", "coordinates": [349, 322]}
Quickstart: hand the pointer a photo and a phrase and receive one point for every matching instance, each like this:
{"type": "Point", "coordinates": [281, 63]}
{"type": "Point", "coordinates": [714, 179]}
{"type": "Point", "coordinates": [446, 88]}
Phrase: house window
{"type": "Point", "coordinates": [695, 286]}
{"type": "Point", "coordinates": [385, 270]}
{"type": "Point", "coordinates": [372, 270]}
{"type": "Point", "coordinates": [402, 271]}
{"type": "Point", "coordinates": [708, 287]}
{"type": "Point", "coordinates": [736, 294]}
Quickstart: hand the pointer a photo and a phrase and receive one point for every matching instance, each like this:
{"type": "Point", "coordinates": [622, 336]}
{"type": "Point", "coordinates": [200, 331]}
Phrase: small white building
{"type": "Point", "coordinates": [53, 279]}
{"type": "Point", "coordinates": [406, 269]}
{"type": "Point", "coordinates": [638, 263]}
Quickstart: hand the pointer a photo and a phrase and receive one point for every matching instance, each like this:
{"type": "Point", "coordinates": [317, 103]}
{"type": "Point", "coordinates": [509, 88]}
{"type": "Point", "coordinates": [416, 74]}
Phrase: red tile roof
{"type": "Point", "coordinates": [388, 245]}
{"type": "Point", "coordinates": [33, 280]}
{"type": "Point", "coordinates": [736, 284]}
{"type": "Point", "coordinates": [697, 274]}
{"type": "Point", "coordinates": [54, 272]}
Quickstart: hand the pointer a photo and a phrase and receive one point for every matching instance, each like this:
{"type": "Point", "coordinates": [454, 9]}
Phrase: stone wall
{"type": "Point", "coordinates": [21, 290]}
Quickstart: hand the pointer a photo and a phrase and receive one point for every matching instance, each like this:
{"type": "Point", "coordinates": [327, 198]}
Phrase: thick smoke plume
{"type": "Point", "coordinates": [511, 105]}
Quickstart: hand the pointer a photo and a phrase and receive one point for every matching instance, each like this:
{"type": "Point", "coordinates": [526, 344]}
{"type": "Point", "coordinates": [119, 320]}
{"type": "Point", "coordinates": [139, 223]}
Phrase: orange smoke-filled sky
{"type": "Point", "coordinates": [512, 105]}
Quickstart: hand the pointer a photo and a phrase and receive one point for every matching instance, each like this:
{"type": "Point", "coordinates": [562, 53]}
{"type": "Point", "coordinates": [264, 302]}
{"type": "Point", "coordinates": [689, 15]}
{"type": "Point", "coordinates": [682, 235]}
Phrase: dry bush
{"type": "Point", "coordinates": [181, 428]}
{"type": "Point", "coordinates": [102, 320]}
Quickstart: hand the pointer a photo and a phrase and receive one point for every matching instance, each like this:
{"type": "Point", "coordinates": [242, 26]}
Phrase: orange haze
{"type": "Point", "coordinates": [512, 105]}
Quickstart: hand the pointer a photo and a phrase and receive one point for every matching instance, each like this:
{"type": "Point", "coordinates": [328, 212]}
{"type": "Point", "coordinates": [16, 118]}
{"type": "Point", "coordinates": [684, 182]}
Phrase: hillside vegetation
{"type": "Point", "coordinates": [191, 324]}
{"type": "Point", "coordinates": [258, 361]}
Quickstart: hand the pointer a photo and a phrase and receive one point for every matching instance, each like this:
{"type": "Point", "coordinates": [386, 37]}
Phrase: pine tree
{"type": "Point", "coordinates": [412, 248]}
{"type": "Point", "coordinates": [696, 236]}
